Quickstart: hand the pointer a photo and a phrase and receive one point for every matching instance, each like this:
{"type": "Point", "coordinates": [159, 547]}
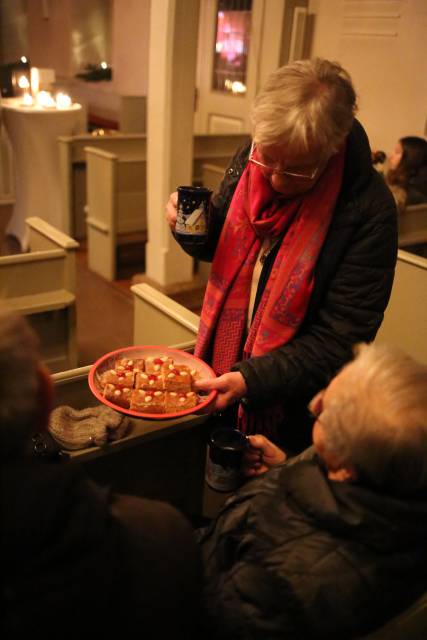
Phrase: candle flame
{"type": "Point", "coordinates": [27, 100]}
{"type": "Point", "coordinates": [23, 82]}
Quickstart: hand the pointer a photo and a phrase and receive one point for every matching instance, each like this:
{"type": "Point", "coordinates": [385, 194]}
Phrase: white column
{"type": "Point", "coordinates": [172, 68]}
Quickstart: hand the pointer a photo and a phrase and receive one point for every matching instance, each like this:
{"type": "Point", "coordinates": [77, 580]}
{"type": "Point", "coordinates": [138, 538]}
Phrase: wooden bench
{"type": "Point", "coordinates": [160, 320]}
{"type": "Point", "coordinates": [41, 284]}
{"type": "Point", "coordinates": [413, 225]}
{"type": "Point", "coordinates": [405, 319]}
{"type": "Point", "coordinates": [116, 207]}
{"type": "Point", "coordinates": [162, 460]}
{"type": "Point", "coordinates": [210, 148]}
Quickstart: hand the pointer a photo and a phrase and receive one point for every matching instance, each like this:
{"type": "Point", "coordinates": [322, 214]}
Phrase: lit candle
{"type": "Point", "coordinates": [63, 101]}
{"type": "Point", "coordinates": [27, 100]}
{"type": "Point", "coordinates": [23, 83]}
{"type": "Point", "coordinates": [45, 100]}
{"type": "Point", "coordinates": [35, 81]}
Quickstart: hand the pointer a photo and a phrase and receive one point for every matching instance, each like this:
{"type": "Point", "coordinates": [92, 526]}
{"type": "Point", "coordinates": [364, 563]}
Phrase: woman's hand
{"type": "Point", "coordinates": [230, 386]}
{"type": "Point", "coordinates": [171, 210]}
{"type": "Point", "coordinates": [261, 456]}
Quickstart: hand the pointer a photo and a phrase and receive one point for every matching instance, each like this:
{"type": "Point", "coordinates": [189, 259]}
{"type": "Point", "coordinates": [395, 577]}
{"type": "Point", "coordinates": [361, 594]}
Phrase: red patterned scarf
{"type": "Point", "coordinates": [255, 212]}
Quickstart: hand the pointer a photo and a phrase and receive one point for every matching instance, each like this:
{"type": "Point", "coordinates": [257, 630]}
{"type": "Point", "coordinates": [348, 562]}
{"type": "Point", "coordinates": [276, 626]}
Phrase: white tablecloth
{"type": "Point", "coordinates": [33, 134]}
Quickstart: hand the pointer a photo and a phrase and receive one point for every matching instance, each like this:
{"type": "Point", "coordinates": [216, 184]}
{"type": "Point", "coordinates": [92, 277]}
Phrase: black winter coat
{"type": "Point", "coordinates": [295, 555]}
{"type": "Point", "coordinates": [353, 280]}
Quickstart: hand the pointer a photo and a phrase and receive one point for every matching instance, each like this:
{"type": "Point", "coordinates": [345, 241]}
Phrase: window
{"type": "Point", "coordinates": [233, 28]}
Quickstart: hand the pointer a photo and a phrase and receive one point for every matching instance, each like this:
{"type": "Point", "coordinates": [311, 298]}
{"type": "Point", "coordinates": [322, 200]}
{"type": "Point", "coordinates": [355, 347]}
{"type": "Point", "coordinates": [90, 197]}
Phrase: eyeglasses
{"type": "Point", "coordinates": [291, 174]}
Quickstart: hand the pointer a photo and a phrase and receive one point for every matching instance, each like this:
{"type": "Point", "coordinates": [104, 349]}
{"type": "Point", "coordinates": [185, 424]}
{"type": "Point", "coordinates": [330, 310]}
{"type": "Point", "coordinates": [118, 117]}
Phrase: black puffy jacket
{"type": "Point", "coordinates": [295, 555]}
{"type": "Point", "coordinates": [353, 280]}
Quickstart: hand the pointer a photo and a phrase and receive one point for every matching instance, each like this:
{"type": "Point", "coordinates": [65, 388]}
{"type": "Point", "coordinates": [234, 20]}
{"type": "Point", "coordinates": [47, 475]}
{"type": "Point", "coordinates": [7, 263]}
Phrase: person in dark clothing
{"type": "Point", "coordinates": [77, 558]}
{"type": "Point", "coordinates": [303, 238]}
{"type": "Point", "coordinates": [407, 171]}
{"type": "Point", "coordinates": [331, 543]}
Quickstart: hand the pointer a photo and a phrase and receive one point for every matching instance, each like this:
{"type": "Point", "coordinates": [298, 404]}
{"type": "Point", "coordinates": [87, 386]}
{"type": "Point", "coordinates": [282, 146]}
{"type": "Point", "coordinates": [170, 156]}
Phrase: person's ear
{"type": "Point", "coordinates": [45, 397]}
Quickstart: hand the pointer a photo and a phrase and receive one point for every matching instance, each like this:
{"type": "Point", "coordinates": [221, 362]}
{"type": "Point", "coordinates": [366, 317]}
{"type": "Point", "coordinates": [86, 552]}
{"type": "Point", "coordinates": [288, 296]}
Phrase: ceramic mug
{"type": "Point", "coordinates": [192, 217]}
{"type": "Point", "coordinates": [224, 461]}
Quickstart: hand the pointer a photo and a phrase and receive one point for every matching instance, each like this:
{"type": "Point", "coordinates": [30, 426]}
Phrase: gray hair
{"type": "Point", "coordinates": [308, 104]}
{"type": "Point", "coordinates": [19, 382]}
{"type": "Point", "coordinates": [377, 419]}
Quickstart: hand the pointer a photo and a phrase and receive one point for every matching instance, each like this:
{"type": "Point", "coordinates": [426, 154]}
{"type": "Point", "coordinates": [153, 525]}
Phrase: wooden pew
{"type": "Point", "coordinates": [7, 187]}
{"type": "Point", "coordinates": [160, 320]}
{"type": "Point", "coordinates": [210, 148]}
{"type": "Point", "coordinates": [405, 319]}
{"type": "Point", "coordinates": [162, 460]}
{"type": "Point", "coordinates": [41, 285]}
{"type": "Point", "coordinates": [413, 225]}
{"type": "Point", "coordinates": [116, 207]}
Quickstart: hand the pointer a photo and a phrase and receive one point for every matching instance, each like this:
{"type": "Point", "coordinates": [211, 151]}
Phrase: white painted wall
{"type": "Point", "coordinates": [382, 43]}
{"type": "Point", "coordinates": [130, 46]}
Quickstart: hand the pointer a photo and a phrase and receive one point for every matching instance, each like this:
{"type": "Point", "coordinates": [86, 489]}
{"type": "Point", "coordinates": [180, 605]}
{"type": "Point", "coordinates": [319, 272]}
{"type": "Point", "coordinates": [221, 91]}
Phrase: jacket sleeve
{"type": "Point", "coordinates": [350, 311]}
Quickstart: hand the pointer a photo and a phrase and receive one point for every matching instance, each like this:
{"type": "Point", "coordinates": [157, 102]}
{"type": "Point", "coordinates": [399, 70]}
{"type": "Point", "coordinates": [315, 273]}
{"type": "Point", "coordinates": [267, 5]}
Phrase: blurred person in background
{"type": "Point", "coordinates": [407, 172]}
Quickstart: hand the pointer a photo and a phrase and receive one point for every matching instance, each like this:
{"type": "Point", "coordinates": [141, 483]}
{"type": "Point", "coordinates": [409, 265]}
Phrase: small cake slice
{"type": "Point", "coordinates": [118, 395]}
{"type": "Point", "coordinates": [154, 364]}
{"type": "Point", "coordinates": [177, 377]}
{"type": "Point", "coordinates": [113, 376]}
{"type": "Point", "coordinates": [179, 401]}
{"type": "Point", "coordinates": [147, 401]}
{"type": "Point", "coordinates": [149, 381]}
{"type": "Point", "coordinates": [130, 364]}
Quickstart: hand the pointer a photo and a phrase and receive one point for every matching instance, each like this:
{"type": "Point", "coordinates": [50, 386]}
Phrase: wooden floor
{"type": "Point", "coordinates": [105, 309]}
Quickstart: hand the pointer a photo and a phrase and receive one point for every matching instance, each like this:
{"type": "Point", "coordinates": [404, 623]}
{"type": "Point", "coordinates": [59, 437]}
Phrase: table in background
{"type": "Point", "coordinates": [33, 133]}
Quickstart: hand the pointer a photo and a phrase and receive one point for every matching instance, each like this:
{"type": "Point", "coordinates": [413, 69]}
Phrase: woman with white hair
{"type": "Point", "coordinates": [303, 240]}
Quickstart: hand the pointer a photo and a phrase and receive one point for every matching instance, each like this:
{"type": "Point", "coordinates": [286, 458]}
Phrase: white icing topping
{"type": "Point", "coordinates": [157, 393]}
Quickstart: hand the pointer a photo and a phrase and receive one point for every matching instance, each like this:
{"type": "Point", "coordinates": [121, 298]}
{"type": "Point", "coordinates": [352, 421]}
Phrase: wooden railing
{"type": "Point", "coordinates": [41, 285]}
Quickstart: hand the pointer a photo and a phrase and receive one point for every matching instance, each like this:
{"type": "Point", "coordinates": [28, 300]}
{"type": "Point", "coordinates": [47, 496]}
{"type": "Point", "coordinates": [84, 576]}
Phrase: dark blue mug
{"type": "Point", "coordinates": [192, 216]}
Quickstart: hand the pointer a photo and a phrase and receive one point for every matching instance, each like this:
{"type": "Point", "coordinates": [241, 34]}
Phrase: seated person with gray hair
{"type": "Point", "coordinates": [332, 543]}
{"type": "Point", "coordinates": [76, 557]}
